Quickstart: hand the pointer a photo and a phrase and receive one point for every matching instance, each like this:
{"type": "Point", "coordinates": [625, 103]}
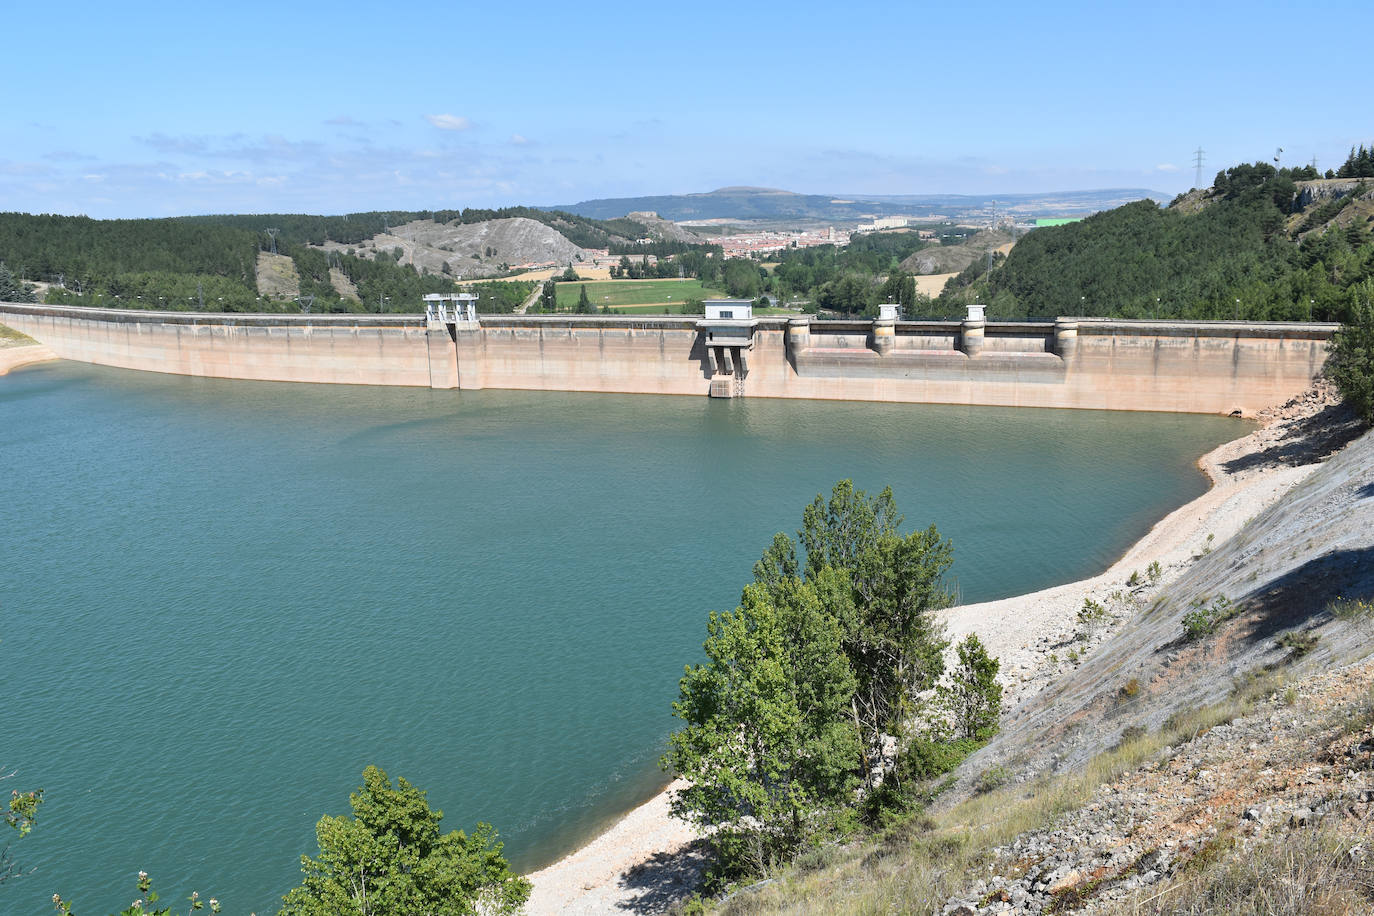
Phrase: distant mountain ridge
{"type": "Point", "coordinates": [773, 203]}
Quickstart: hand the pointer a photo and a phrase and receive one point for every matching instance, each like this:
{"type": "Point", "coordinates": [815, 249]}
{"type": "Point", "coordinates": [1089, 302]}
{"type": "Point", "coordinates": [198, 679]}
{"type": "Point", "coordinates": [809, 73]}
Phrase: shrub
{"type": "Point", "coordinates": [1091, 615]}
{"type": "Point", "coordinates": [1134, 580]}
{"type": "Point", "coordinates": [1298, 644]}
{"type": "Point", "coordinates": [1153, 571]}
{"type": "Point", "coordinates": [1132, 733]}
{"type": "Point", "coordinates": [926, 758]}
{"type": "Point", "coordinates": [1351, 610]}
{"type": "Point", "coordinates": [1204, 619]}
{"type": "Point", "coordinates": [992, 778]}
{"type": "Point", "coordinates": [974, 697]}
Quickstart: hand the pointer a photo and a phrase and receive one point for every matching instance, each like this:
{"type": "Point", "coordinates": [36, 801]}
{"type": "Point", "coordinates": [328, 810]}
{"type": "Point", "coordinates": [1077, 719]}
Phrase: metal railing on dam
{"type": "Point", "coordinates": [1192, 366]}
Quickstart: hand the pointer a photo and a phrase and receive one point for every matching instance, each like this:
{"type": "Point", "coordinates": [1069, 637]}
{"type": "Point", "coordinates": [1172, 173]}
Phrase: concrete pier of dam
{"type": "Point", "coordinates": [1196, 367]}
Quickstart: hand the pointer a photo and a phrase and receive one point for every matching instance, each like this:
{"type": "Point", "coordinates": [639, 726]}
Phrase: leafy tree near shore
{"type": "Point", "coordinates": [389, 859]}
{"type": "Point", "coordinates": [809, 678]}
{"type": "Point", "coordinates": [880, 585]}
{"type": "Point", "coordinates": [766, 748]}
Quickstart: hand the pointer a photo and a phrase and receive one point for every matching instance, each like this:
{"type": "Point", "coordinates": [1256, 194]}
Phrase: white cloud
{"type": "Point", "coordinates": [1166, 167]}
{"type": "Point", "coordinates": [448, 121]}
{"type": "Point", "coordinates": [519, 139]}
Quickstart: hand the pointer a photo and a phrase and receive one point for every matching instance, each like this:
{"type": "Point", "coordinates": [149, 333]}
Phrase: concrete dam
{"type": "Point", "coordinates": [1197, 367]}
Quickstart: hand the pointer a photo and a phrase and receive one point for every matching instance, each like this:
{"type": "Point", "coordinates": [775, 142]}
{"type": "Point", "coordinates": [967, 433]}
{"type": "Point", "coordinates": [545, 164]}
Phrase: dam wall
{"type": "Point", "coordinates": [1199, 367]}
{"type": "Point", "coordinates": [279, 348]}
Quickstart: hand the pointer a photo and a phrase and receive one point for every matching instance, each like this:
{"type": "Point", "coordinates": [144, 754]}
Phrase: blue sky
{"type": "Point", "coordinates": [151, 109]}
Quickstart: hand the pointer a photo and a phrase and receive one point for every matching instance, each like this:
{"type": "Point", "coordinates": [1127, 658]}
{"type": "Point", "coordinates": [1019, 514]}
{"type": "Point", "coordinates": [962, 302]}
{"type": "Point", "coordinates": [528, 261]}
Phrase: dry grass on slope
{"type": "Point", "coordinates": [9, 337]}
{"type": "Point", "coordinates": [923, 863]}
{"type": "Point", "coordinates": [1186, 841]}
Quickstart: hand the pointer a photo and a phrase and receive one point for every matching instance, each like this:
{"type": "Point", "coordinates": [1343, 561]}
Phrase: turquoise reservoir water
{"type": "Point", "coordinates": [221, 600]}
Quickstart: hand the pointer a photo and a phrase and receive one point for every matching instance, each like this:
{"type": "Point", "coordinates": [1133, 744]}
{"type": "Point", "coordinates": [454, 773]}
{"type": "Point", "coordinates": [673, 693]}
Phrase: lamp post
{"type": "Point", "coordinates": [1238, 310]}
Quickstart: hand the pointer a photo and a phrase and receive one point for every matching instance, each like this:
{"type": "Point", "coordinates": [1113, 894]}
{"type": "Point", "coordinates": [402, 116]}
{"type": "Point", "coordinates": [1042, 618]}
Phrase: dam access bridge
{"type": "Point", "coordinates": [1201, 367]}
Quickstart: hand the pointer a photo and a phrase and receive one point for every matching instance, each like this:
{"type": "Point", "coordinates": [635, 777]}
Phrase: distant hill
{"type": "Point", "coordinates": [771, 204]}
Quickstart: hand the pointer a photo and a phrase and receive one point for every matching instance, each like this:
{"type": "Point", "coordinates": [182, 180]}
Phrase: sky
{"type": "Point", "coordinates": [154, 109]}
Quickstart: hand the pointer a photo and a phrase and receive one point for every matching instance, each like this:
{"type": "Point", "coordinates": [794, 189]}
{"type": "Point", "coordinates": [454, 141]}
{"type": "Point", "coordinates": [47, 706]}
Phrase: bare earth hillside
{"type": "Point", "coordinates": [277, 277]}
{"type": "Point", "coordinates": [663, 230]}
{"type": "Point", "coordinates": [342, 285]}
{"type": "Point", "coordinates": [942, 259]}
{"type": "Point", "coordinates": [471, 249]}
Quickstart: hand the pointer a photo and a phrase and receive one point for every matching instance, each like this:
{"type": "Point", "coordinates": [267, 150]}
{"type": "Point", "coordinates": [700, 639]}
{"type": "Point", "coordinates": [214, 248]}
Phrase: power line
{"type": "Point", "coordinates": [1197, 162]}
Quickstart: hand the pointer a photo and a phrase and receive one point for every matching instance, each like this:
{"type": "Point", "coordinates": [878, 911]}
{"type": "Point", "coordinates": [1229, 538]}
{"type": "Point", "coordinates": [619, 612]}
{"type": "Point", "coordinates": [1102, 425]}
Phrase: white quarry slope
{"type": "Point", "coordinates": [471, 249]}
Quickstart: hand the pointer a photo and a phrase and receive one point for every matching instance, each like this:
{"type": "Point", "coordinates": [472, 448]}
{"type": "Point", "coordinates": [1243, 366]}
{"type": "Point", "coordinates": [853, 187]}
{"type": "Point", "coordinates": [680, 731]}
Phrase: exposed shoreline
{"type": "Point", "coordinates": [14, 356]}
{"type": "Point", "coordinates": [645, 860]}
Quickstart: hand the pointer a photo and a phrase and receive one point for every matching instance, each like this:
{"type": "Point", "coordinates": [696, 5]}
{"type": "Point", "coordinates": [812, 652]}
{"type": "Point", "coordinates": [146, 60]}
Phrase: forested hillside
{"type": "Point", "coordinates": [209, 263]}
{"type": "Point", "coordinates": [1247, 249]}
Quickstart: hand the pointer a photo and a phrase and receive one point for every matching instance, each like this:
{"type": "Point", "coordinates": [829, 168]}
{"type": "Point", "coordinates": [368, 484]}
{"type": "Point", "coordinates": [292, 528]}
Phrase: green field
{"type": "Point", "coordinates": [654, 295]}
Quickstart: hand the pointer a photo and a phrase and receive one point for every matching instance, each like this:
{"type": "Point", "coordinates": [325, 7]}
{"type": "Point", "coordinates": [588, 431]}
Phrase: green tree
{"type": "Point", "coordinates": [851, 294]}
{"type": "Point", "coordinates": [880, 586]}
{"type": "Point", "coordinates": [584, 304]}
{"type": "Point", "coordinates": [1351, 362]}
{"type": "Point", "coordinates": [767, 747]}
{"type": "Point", "coordinates": [741, 278]}
{"type": "Point", "coordinates": [973, 695]}
{"type": "Point", "coordinates": [11, 290]}
{"type": "Point", "coordinates": [837, 531]}
{"type": "Point", "coordinates": [389, 859]}
{"type": "Point", "coordinates": [548, 297]}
